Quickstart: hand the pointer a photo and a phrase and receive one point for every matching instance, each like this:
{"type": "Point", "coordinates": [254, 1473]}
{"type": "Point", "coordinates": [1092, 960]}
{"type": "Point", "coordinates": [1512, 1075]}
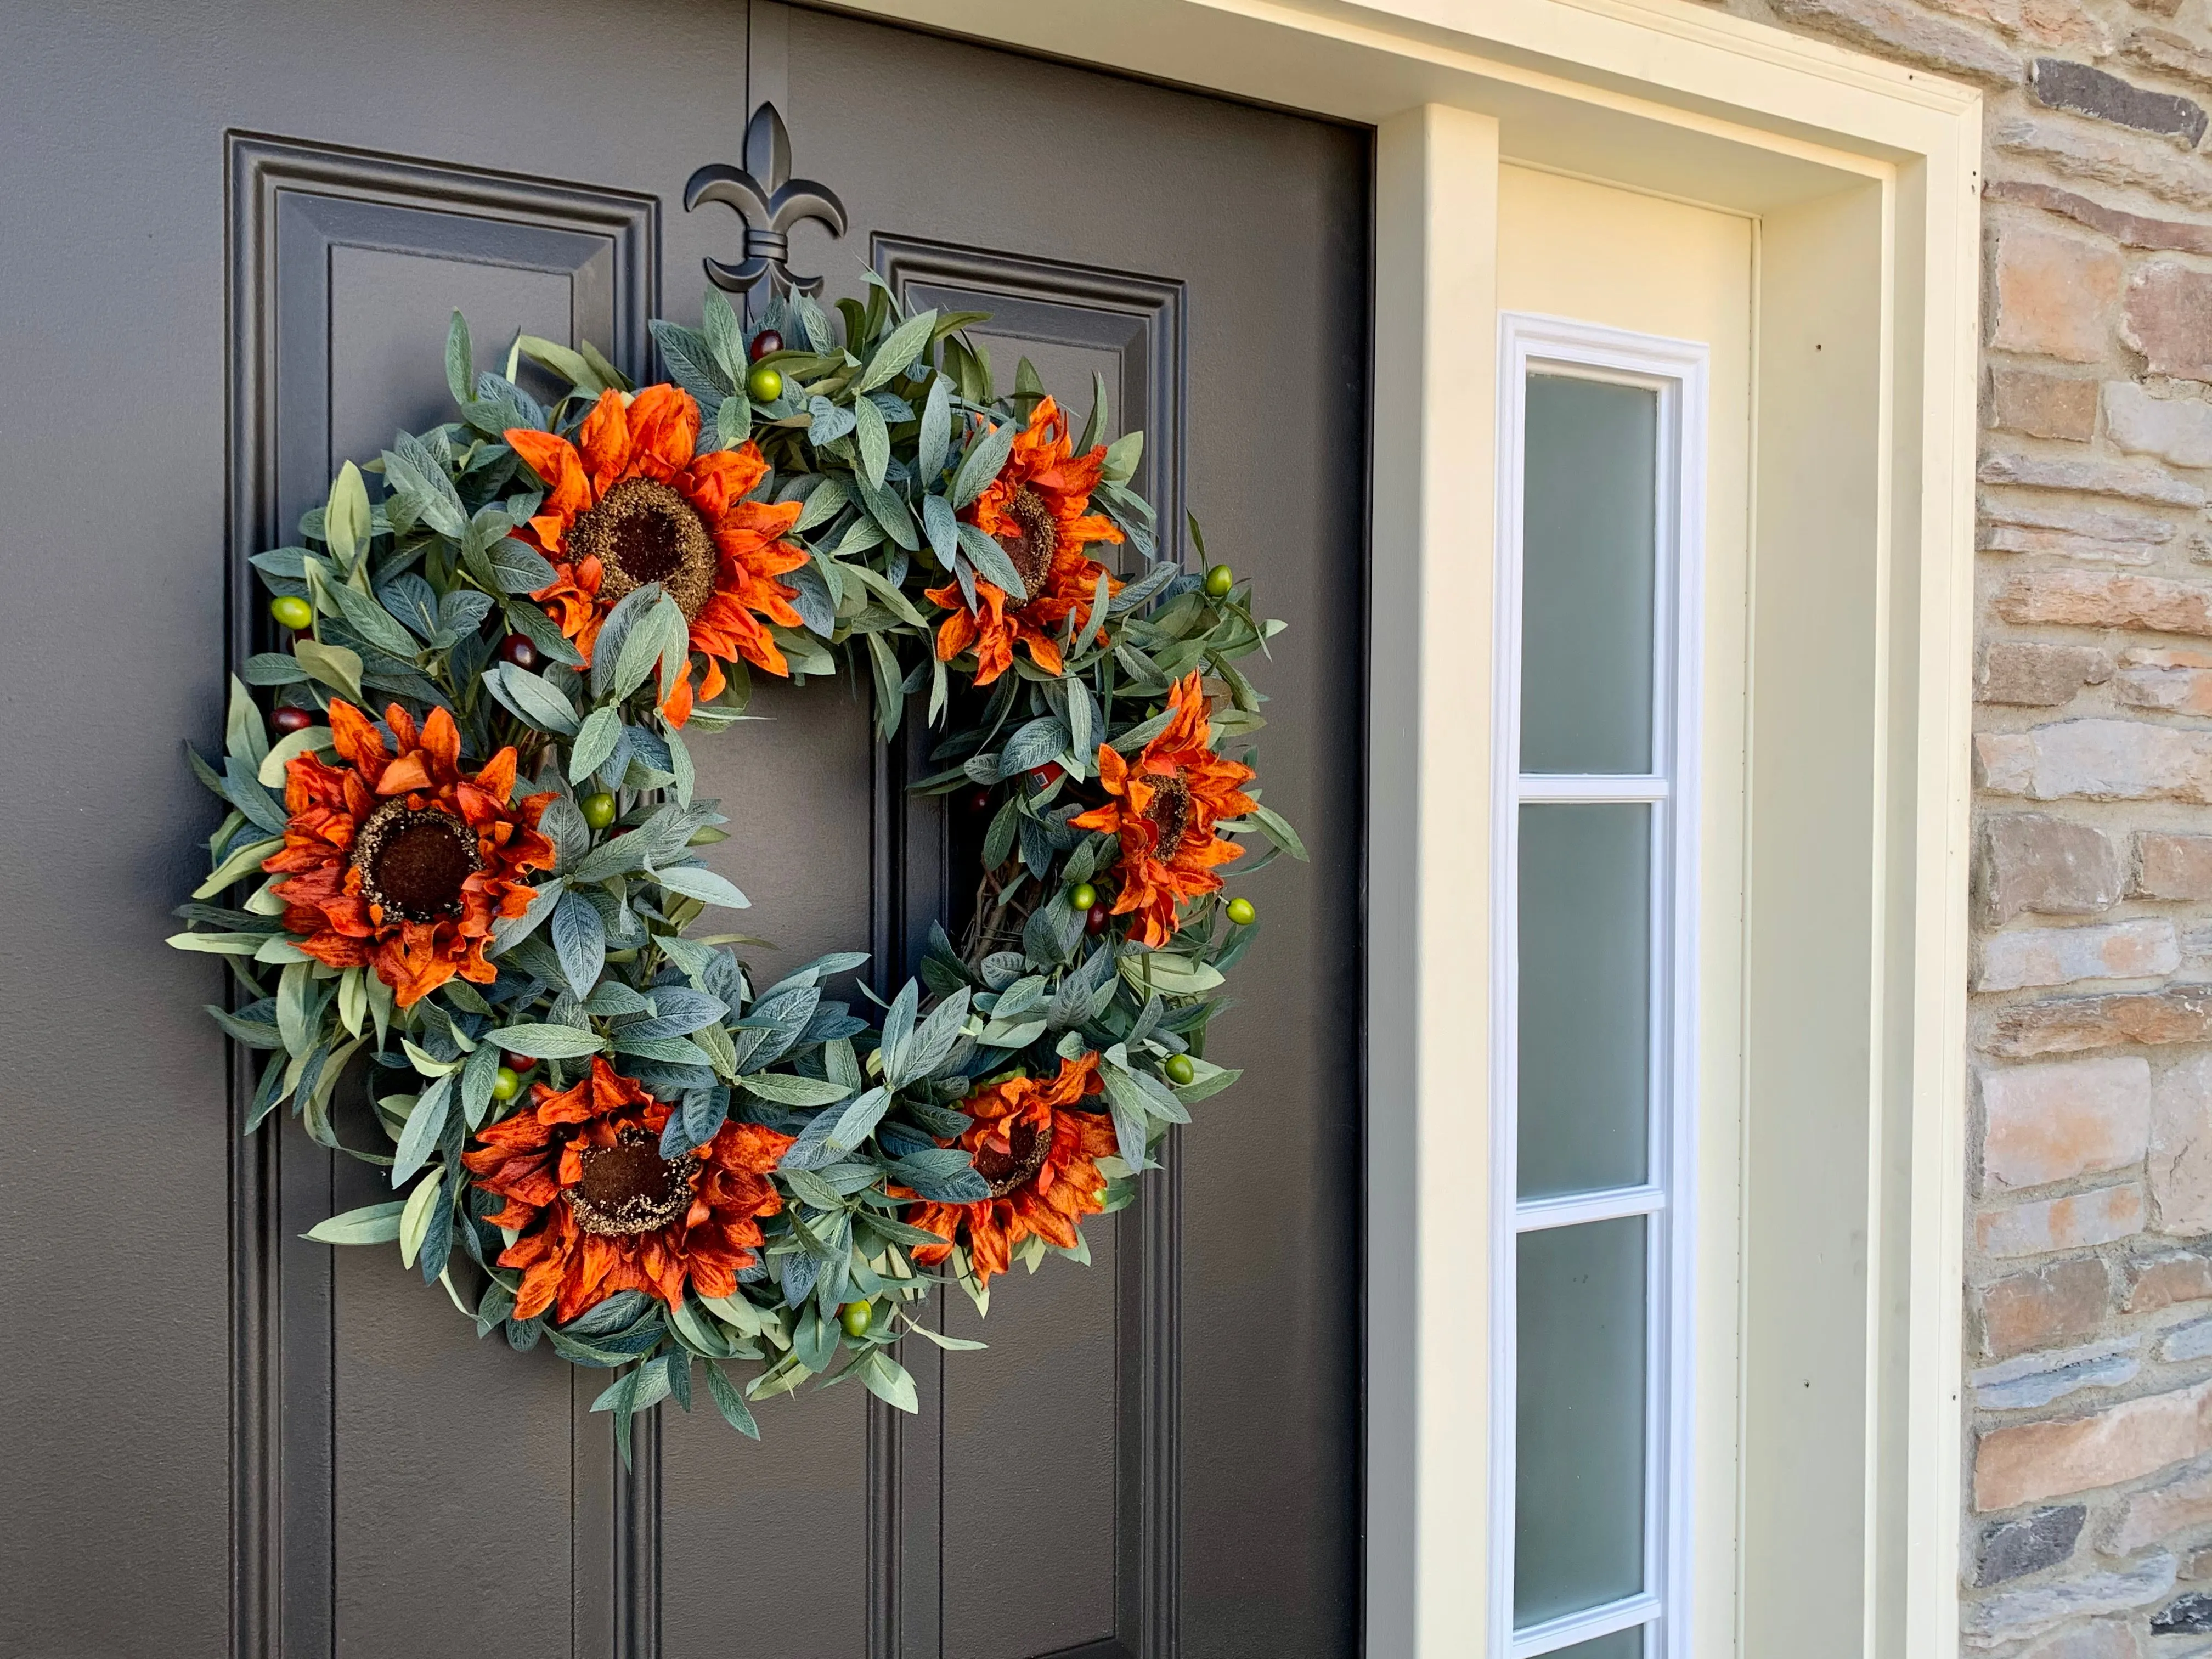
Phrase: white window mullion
{"type": "Point", "coordinates": [1659, 1203]}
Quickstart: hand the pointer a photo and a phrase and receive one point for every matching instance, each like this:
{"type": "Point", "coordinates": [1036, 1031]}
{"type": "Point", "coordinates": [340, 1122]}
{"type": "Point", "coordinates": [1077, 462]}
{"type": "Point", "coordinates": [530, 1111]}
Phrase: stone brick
{"type": "Point", "coordinates": [2068, 1025]}
{"type": "Point", "coordinates": [2015, 538]}
{"type": "Point", "coordinates": [2129, 479]}
{"type": "Point", "coordinates": [1899, 30]}
{"type": "Point", "coordinates": [2180, 1166]}
{"type": "Point", "coordinates": [2038, 676]}
{"type": "Point", "coordinates": [2101, 598]}
{"type": "Point", "coordinates": [2052, 1122]}
{"type": "Point", "coordinates": [2167, 1282]}
{"type": "Point", "coordinates": [2097, 760]}
{"type": "Point", "coordinates": [2179, 681]}
{"type": "Point", "coordinates": [2129, 229]}
{"type": "Point", "coordinates": [2169, 54]}
{"type": "Point", "coordinates": [2035, 1380]}
{"type": "Point", "coordinates": [2031, 861]}
{"type": "Point", "coordinates": [1995, 1620]}
{"type": "Point", "coordinates": [2143, 949]}
{"type": "Point", "coordinates": [2184, 1615]}
{"type": "Point", "coordinates": [2106, 156]}
{"type": "Point", "coordinates": [2061, 1303]}
{"type": "Point", "coordinates": [2032, 508]}
{"type": "Point", "coordinates": [2157, 7]}
{"type": "Point", "coordinates": [2107, 1639]}
{"type": "Point", "coordinates": [2172, 867]}
{"type": "Point", "coordinates": [2060, 84]}
{"type": "Point", "coordinates": [2043, 405]}
{"type": "Point", "coordinates": [2013, 1549]}
{"type": "Point", "coordinates": [2186, 1342]}
{"type": "Point", "coordinates": [2055, 293]}
{"type": "Point", "coordinates": [2030, 1462]}
{"type": "Point", "coordinates": [2178, 430]}
{"type": "Point", "coordinates": [2147, 1517]}
{"type": "Point", "coordinates": [2169, 319]}
{"type": "Point", "coordinates": [2072, 1222]}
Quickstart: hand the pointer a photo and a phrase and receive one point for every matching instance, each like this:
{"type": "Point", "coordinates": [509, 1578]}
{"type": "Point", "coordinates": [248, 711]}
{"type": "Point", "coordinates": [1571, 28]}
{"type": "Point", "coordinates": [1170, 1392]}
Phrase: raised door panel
{"type": "Point", "coordinates": [390, 1463]}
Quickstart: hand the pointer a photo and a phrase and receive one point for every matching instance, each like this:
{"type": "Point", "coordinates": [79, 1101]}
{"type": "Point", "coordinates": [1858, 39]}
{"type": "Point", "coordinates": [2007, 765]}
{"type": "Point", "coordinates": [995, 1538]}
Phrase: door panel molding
{"type": "Point", "coordinates": [1140, 319]}
{"type": "Point", "coordinates": [291, 205]}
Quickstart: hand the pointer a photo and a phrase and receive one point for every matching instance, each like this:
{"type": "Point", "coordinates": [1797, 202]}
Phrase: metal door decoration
{"type": "Point", "coordinates": [466, 934]}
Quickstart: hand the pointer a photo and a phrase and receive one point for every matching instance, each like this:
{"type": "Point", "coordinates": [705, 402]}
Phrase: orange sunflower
{"type": "Point", "coordinates": [1037, 509]}
{"type": "Point", "coordinates": [402, 862]}
{"type": "Point", "coordinates": [1040, 1156]}
{"type": "Point", "coordinates": [1164, 806]}
{"type": "Point", "coordinates": [631, 502]}
{"type": "Point", "coordinates": [598, 1210]}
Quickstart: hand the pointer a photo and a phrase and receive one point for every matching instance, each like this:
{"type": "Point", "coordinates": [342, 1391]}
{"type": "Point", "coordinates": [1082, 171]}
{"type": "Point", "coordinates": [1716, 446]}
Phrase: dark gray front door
{"type": "Point", "coordinates": [234, 236]}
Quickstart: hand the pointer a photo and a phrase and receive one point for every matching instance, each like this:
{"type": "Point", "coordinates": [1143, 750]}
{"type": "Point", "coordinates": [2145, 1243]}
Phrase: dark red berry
{"type": "Point", "coordinates": [517, 1062]}
{"type": "Point", "coordinates": [517, 649]}
{"type": "Point", "coordinates": [979, 801]}
{"type": "Point", "coordinates": [1097, 921]}
{"type": "Point", "coordinates": [766, 341]}
{"type": "Point", "coordinates": [288, 720]}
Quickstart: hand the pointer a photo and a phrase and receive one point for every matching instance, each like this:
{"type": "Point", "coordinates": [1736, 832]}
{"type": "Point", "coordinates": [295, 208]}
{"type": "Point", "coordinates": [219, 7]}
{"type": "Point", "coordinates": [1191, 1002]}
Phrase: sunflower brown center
{"type": "Point", "coordinates": [643, 531]}
{"type": "Point", "coordinates": [1027, 1148]}
{"type": "Point", "coordinates": [1033, 540]}
{"type": "Point", "coordinates": [1169, 810]}
{"type": "Point", "coordinates": [413, 864]}
{"type": "Point", "coordinates": [628, 1188]}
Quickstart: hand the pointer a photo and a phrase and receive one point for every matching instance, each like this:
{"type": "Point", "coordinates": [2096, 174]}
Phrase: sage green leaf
{"type": "Point", "coordinates": [898, 353]}
{"type": "Point", "coordinates": [220, 944]}
{"type": "Point", "coordinates": [460, 360]}
{"type": "Point", "coordinates": [373, 622]}
{"type": "Point", "coordinates": [420, 1137]}
{"type": "Point", "coordinates": [888, 1381]}
{"type": "Point", "coordinates": [1123, 456]}
{"type": "Point", "coordinates": [546, 1041]}
{"type": "Point", "coordinates": [595, 741]}
{"type": "Point", "coordinates": [982, 463]}
{"type": "Point", "coordinates": [936, 436]}
{"type": "Point", "coordinates": [333, 665]}
{"type": "Point", "coordinates": [785, 1089]}
{"type": "Point", "coordinates": [570, 365]}
{"type": "Point", "coordinates": [415, 1218]}
{"type": "Point", "coordinates": [534, 699]}
{"type": "Point", "coordinates": [238, 866]}
{"type": "Point", "coordinates": [875, 442]}
{"type": "Point", "coordinates": [371, 1223]}
{"type": "Point", "coordinates": [730, 1402]}
{"type": "Point", "coordinates": [519, 567]}
{"type": "Point", "coordinates": [698, 882]}
{"type": "Point", "coordinates": [346, 518]}
{"type": "Point", "coordinates": [291, 744]}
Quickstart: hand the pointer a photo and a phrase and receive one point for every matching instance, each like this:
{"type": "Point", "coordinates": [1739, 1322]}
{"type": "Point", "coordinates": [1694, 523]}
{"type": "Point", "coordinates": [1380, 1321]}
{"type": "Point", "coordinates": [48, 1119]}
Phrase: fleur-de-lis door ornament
{"type": "Point", "coordinates": [770, 201]}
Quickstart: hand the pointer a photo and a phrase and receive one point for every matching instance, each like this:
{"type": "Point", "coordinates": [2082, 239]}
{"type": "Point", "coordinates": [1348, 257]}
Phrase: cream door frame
{"type": "Point", "coordinates": [1864, 178]}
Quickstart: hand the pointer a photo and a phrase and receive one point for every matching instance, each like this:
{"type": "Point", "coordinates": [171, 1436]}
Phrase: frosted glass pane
{"type": "Point", "coordinates": [1588, 575]}
{"type": "Point", "coordinates": [1578, 1518]}
{"type": "Point", "coordinates": [1621, 1644]}
{"type": "Point", "coordinates": [1585, 997]}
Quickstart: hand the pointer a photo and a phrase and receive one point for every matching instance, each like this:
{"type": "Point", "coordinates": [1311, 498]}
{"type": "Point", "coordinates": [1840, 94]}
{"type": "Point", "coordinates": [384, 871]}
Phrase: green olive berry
{"type": "Point", "coordinates": [598, 810]}
{"type": "Point", "coordinates": [1083, 896]}
{"type": "Point", "coordinates": [1241, 913]}
{"type": "Point", "coordinates": [293, 612]}
{"type": "Point", "coordinates": [1219, 580]}
{"type": "Point", "coordinates": [505, 1084]}
{"type": "Point", "coordinates": [764, 386]}
{"type": "Point", "coordinates": [855, 1317]}
{"type": "Point", "coordinates": [1180, 1071]}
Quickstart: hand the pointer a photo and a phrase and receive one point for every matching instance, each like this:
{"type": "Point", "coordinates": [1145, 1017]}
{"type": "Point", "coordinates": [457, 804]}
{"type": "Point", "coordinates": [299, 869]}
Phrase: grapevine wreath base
{"type": "Point", "coordinates": [465, 845]}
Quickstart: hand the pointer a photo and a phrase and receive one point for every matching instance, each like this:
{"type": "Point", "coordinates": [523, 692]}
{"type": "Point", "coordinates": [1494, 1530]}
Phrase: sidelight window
{"type": "Point", "coordinates": [1600, 466]}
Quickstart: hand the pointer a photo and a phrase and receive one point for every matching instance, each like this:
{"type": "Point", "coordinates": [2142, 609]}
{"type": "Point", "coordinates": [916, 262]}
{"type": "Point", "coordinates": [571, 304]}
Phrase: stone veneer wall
{"type": "Point", "coordinates": [2086, 1495]}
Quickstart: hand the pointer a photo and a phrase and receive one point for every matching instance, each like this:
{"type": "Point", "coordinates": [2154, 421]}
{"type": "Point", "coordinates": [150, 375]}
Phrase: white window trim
{"type": "Point", "coordinates": [1677, 371]}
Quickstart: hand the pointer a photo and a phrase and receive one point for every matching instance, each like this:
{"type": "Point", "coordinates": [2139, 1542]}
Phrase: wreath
{"type": "Point", "coordinates": [468, 844]}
